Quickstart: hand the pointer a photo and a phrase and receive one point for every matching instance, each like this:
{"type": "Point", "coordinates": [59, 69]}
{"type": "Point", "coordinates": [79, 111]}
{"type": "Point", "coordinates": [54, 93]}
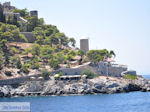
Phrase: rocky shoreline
{"type": "Point", "coordinates": [99, 85]}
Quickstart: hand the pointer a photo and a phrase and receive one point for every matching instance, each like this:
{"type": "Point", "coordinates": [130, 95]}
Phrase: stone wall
{"type": "Point", "coordinates": [112, 70]}
{"type": "Point", "coordinates": [101, 70]}
{"type": "Point", "coordinates": [116, 71]}
{"type": "Point", "coordinates": [77, 70]}
{"type": "Point", "coordinates": [29, 36]}
{"type": "Point", "coordinates": [19, 80]}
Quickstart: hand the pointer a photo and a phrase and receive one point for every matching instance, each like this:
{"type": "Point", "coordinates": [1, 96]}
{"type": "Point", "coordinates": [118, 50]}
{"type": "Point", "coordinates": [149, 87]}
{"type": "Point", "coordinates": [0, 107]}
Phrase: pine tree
{"type": "Point", "coordinates": [9, 20]}
{"type": "Point", "coordinates": [1, 59]}
{"type": "Point", "coordinates": [4, 19]}
{"type": "Point", "coordinates": [6, 59]}
{"type": "Point", "coordinates": [14, 20]}
{"type": "Point", "coordinates": [1, 13]}
{"type": "Point", "coordinates": [2, 16]}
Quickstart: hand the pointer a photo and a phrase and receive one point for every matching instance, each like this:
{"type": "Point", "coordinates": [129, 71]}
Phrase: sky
{"type": "Point", "coordinates": [119, 25]}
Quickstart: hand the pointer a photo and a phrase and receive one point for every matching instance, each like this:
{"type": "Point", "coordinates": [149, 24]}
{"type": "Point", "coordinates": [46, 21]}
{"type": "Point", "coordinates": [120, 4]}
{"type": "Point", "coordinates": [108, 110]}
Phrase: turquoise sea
{"type": "Point", "coordinates": [123, 102]}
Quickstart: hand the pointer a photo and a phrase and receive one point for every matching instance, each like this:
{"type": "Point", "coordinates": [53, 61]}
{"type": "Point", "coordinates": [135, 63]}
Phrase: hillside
{"type": "Point", "coordinates": [50, 50]}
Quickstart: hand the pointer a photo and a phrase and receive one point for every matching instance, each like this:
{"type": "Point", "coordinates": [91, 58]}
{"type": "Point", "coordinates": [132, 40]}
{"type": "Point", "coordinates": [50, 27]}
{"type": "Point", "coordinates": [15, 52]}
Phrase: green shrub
{"type": "Point", "coordinates": [25, 68]}
{"type": "Point", "coordinates": [73, 53]}
{"type": "Point", "coordinates": [60, 56]}
{"type": "Point", "coordinates": [129, 76]}
{"type": "Point", "coordinates": [81, 53]}
{"type": "Point", "coordinates": [26, 51]}
{"type": "Point", "coordinates": [54, 63]}
{"type": "Point", "coordinates": [1, 59]}
{"type": "Point", "coordinates": [89, 74]}
{"type": "Point", "coordinates": [36, 50]}
{"type": "Point", "coordinates": [45, 73]}
{"type": "Point", "coordinates": [14, 50]}
{"type": "Point", "coordinates": [60, 74]}
{"type": "Point", "coordinates": [68, 57]}
{"type": "Point", "coordinates": [68, 65]}
{"type": "Point", "coordinates": [18, 63]}
{"type": "Point", "coordinates": [98, 55]}
{"type": "Point", "coordinates": [57, 76]}
{"type": "Point", "coordinates": [66, 51]}
{"type": "Point", "coordinates": [36, 66]}
{"type": "Point", "coordinates": [6, 60]}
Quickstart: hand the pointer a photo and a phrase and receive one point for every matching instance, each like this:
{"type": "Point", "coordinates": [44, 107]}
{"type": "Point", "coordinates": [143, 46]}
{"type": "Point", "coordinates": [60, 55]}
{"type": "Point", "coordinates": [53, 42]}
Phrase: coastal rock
{"type": "Point", "coordinates": [5, 91]}
{"type": "Point", "coordinates": [99, 85]}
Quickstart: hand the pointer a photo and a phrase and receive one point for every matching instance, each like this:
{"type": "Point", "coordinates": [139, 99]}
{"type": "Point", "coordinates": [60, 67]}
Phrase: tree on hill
{"type": "Point", "coordinates": [46, 53]}
{"type": "Point", "coordinates": [50, 35]}
{"type": "Point", "coordinates": [62, 38]}
{"type": "Point", "coordinates": [72, 41]}
{"type": "Point", "coordinates": [81, 53]}
{"type": "Point", "coordinates": [38, 31]}
{"type": "Point", "coordinates": [39, 34]}
{"type": "Point", "coordinates": [54, 63]}
{"type": "Point", "coordinates": [40, 22]}
{"type": "Point", "coordinates": [12, 19]}
{"type": "Point", "coordinates": [16, 62]}
{"type": "Point", "coordinates": [1, 58]}
{"type": "Point", "coordinates": [60, 56]}
{"type": "Point", "coordinates": [54, 40]}
{"type": "Point", "coordinates": [98, 55]}
{"type": "Point", "coordinates": [26, 51]}
{"type": "Point", "coordinates": [9, 19]}
{"type": "Point", "coordinates": [112, 53]}
{"type": "Point", "coordinates": [15, 22]}
{"type": "Point", "coordinates": [49, 31]}
{"type": "Point", "coordinates": [4, 38]}
{"type": "Point", "coordinates": [36, 50]}
{"type": "Point", "coordinates": [32, 23]}
{"type": "Point", "coordinates": [51, 46]}
{"type": "Point", "coordinates": [2, 16]}
{"type": "Point", "coordinates": [9, 33]}
{"type": "Point", "coordinates": [23, 12]}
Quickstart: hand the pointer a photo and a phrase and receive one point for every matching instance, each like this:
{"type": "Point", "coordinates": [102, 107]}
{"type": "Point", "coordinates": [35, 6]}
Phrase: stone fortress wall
{"type": "Point", "coordinates": [111, 69]}
{"type": "Point", "coordinates": [19, 80]}
{"type": "Point", "coordinates": [29, 36]}
{"type": "Point", "coordinates": [78, 69]}
{"type": "Point", "coordinates": [8, 10]}
{"type": "Point", "coordinates": [101, 69]}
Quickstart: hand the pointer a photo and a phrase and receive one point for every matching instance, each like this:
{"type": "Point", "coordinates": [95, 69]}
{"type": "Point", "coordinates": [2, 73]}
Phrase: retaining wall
{"type": "Point", "coordinates": [29, 36]}
{"type": "Point", "coordinates": [77, 70]}
{"type": "Point", "coordinates": [18, 80]}
{"type": "Point", "coordinates": [111, 70]}
{"type": "Point", "coordinates": [99, 69]}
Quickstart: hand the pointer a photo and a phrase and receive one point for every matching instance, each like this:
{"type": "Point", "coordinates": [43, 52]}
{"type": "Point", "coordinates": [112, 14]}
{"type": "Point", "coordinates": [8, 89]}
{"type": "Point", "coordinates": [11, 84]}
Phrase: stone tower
{"type": "Point", "coordinates": [84, 44]}
{"type": "Point", "coordinates": [7, 7]}
{"type": "Point", "coordinates": [34, 13]}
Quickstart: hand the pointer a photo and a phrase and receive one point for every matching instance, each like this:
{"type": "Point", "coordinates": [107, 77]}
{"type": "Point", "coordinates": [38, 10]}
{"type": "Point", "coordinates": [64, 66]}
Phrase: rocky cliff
{"type": "Point", "coordinates": [99, 85]}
